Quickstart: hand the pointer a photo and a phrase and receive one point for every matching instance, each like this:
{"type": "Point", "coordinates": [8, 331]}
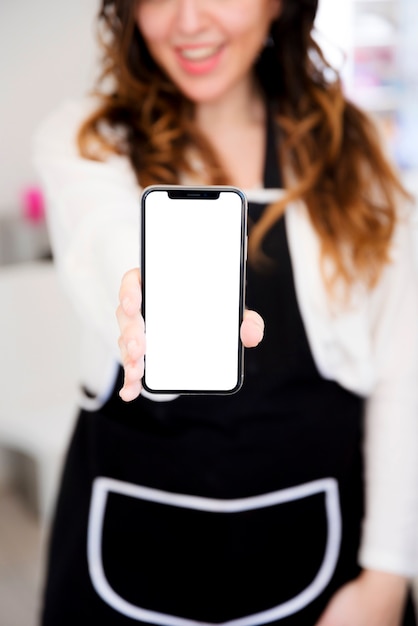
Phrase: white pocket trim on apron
{"type": "Point", "coordinates": [102, 486]}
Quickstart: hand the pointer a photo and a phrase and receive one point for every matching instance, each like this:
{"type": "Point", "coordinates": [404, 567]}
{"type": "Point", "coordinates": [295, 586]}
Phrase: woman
{"type": "Point", "coordinates": [259, 507]}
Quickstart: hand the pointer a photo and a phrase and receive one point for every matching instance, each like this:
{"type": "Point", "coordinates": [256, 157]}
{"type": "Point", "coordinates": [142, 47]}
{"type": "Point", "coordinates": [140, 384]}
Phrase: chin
{"type": "Point", "coordinates": [202, 96]}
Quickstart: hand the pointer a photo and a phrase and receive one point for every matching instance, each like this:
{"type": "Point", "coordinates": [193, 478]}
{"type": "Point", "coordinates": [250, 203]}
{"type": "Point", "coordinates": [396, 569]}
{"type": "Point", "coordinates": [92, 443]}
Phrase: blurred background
{"type": "Point", "coordinates": [48, 54]}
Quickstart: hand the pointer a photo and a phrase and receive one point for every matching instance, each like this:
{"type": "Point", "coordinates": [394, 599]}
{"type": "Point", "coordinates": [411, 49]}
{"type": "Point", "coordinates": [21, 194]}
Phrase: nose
{"type": "Point", "coordinates": [190, 14]}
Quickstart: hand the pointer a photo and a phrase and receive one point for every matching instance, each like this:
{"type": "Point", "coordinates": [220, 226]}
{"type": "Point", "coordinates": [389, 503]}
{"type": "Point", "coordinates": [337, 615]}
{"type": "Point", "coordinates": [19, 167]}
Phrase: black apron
{"type": "Point", "coordinates": [240, 510]}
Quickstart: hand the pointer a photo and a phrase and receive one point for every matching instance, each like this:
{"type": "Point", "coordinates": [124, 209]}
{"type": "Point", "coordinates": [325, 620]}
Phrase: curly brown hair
{"type": "Point", "coordinates": [330, 151]}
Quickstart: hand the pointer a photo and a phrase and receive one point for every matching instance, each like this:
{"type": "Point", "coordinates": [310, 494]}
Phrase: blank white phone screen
{"type": "Point", "coordinates": [192, 291]}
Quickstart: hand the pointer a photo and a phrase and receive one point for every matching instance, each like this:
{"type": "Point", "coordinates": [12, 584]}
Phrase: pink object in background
{"type": "Point", "coordinates": [33, 205]}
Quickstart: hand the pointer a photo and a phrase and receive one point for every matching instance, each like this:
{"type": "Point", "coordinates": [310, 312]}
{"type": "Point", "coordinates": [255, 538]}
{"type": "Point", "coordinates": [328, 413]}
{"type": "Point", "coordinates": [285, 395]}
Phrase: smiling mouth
{"type": "Point", "coordinates": [199, 54]}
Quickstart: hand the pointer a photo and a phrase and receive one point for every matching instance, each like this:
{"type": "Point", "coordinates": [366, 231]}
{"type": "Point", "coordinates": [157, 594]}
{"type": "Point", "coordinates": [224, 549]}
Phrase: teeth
{"type": "Point", "coordinates": [196, 54]}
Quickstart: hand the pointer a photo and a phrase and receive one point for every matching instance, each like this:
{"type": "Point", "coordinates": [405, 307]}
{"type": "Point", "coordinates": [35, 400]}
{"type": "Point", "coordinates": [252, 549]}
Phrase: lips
{"type": "Point", "coordinates": [199, 60]}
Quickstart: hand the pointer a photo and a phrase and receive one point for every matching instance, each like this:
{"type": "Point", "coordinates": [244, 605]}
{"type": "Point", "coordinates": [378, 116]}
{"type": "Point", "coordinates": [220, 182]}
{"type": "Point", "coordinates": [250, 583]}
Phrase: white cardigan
{"type": "Point", "coordinates": [370, 346]}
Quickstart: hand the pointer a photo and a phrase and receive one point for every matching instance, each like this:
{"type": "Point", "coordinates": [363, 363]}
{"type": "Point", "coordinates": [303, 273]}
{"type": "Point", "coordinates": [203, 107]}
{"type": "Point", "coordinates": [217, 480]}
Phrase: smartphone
{"type": "Point", "coordinates": [193, 258]}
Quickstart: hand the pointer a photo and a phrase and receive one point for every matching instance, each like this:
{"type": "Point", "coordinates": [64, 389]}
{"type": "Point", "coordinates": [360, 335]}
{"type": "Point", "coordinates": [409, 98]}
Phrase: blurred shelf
{"type": "Point", "coordinates": [22, 240]}
{"type": "Point", "coordinates": [367, 2]}
{"type": "Point", "coordinates": [375, 99]}
{"type": "Point", "coordinates": [375, 41]}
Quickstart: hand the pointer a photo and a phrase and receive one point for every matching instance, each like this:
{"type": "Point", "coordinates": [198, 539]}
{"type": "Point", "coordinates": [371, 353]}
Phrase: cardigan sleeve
{"type": "Point", "coordinates": [390, 530]}
{"type": "Point", "coordinates": [93, 218]}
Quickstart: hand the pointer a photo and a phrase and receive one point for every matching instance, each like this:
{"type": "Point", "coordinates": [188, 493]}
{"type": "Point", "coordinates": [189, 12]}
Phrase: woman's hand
{"type": "Point", "coordinates": [132, 337]}
{"type": "Point", "coordinates": [373, 599]}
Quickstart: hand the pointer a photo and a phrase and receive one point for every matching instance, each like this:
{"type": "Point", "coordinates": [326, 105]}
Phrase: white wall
{"type": "Point", "coordinates": [48, 53]}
